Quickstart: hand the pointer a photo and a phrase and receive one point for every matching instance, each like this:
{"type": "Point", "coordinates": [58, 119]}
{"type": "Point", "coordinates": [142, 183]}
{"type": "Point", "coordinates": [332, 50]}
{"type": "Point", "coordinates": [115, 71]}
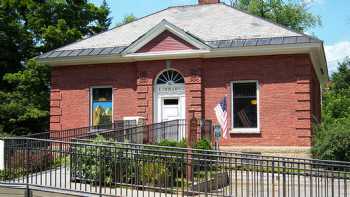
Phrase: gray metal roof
{"type": "Point", "coordinates": [261, 41]}
{"type": "Point", "coordinates": [217, 25]}
{"type": "Point", "coordinates": [213, 44]}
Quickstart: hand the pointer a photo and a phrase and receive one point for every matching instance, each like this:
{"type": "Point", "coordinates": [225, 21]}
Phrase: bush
{"type": "Point", "coordinates": [155, 174]}
{"type": "Point", "coordinates": [203, 162]}
{"type": "Point", "coordinates": [12, 174]}
{"type": "Point", "coordinates": [173, 143]}
{"type": "Point", "coordinates": [203, 144]}
{"type": "Point", "coordinates": [332, 141]}
{"type": "Point", "coordinates": [95, 163]}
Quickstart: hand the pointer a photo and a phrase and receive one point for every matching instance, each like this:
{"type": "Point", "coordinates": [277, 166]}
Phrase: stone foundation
{"type": "Point", "coordinates": [283, 151]}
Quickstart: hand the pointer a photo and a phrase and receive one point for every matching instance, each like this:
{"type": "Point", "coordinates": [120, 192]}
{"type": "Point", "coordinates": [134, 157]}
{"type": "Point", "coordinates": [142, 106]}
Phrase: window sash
{"type": "Point", "coordinates": [242, 129]}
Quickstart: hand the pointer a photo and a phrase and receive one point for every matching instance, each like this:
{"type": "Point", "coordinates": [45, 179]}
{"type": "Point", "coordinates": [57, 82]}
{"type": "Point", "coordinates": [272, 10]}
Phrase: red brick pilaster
{"type": "Point", "coordinates": [194, 93]}
{"type": "Point", "coordinates": [303, 96]}
{"type": "Point", "coordinates": [144, 96]}
{"type": "Point", "coordinates": [55, 110]}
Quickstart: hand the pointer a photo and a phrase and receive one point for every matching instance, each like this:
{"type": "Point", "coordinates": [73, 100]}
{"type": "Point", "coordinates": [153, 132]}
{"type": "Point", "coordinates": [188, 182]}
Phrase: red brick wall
{"type": "Point", "coordinates": [285, 93]}
{"type": "Point", "coordinates": [284, 96]}
{"type": "Point", "coordinates": [72, 84]}
{"type": "Point", "coordinates": [166, 41]}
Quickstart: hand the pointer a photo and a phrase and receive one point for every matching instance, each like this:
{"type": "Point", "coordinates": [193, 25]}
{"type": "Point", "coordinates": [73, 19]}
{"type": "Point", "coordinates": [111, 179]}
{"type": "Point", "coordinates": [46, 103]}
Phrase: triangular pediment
{"type": "Point", "coordinates": [166, 41]}
{"type": "Point", "coordinates": [165, 37]}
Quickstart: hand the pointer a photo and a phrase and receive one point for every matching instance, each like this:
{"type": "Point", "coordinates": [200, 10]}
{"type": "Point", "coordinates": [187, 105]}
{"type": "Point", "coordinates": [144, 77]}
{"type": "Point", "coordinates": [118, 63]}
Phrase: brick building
{"type": "Point", "coordinates": [187, 58]}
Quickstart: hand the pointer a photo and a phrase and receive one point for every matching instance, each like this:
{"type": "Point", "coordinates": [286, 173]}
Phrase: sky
{"type": "Point", "coordinates": [334, 31]}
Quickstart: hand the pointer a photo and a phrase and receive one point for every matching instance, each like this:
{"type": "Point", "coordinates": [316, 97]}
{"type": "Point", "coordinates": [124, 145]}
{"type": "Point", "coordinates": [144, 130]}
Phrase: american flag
{"type": "Point", "coordinates": [221, 116]}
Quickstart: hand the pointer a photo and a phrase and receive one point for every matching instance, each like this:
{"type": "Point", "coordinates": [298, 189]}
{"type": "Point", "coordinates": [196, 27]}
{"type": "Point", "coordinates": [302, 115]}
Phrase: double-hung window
{"type": "Point", "coordinates": [245, 109]}
{"type": "Point", "coordinates": [101, 106]}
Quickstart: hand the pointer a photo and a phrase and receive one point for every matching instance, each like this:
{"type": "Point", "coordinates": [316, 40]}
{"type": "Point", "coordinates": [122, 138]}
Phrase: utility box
{"type": "Point", "coordinates": [134, 134]}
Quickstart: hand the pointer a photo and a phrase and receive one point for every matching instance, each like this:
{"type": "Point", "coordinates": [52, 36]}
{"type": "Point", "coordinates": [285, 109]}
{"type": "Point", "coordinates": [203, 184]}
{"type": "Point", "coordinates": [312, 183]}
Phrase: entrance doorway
{"type": "Point", "coordinates": [169, 100]}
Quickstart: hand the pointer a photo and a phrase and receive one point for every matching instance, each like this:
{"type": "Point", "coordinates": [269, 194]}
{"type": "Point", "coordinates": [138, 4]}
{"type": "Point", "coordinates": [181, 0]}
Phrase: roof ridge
{"type": "Point", "coordinates": [194, 5]}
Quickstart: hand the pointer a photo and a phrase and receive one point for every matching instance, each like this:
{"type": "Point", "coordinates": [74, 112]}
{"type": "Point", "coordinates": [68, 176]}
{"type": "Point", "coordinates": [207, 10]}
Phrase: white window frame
{"type": "Point", "coordinates": [91, 95]}
{"type": "Point", "coordinates": [246, 130]}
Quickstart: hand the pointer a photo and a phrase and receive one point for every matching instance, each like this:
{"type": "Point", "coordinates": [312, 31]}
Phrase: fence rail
{"type": "Point", "coordinates": [127, 169]}
{"type": "Point", "coordinates": [69, 134]}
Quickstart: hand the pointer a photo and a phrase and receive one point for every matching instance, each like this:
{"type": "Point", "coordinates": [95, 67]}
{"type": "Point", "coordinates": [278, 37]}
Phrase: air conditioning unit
{"type": "Point", "coordinates": [134, 120]}
{"type": "Point", "coordinates": [133, 129]}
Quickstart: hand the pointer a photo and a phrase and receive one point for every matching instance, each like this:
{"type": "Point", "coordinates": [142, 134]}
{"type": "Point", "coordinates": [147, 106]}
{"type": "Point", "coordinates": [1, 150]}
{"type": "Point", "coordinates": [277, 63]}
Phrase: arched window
{"type": "Point", "coordinates": [170, 77]}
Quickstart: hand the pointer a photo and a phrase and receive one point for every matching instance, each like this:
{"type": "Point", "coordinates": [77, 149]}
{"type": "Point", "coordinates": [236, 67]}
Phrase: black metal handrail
{"type": "Point", "coordinates": [125, 169]}
{"type": "Point", "coordinates": [68, 134]}
{"type": "Point", "coordinates": [145, 134]}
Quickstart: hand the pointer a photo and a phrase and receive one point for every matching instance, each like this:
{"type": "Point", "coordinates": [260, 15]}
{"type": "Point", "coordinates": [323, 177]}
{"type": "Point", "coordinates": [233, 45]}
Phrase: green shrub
{"type": "Point", "coordinates": [173, 143]}
{"type": "Point", "coordinates": [155, 174]}
{"type": "Point", "coordinates": [98, 163]}
{"type": "Point", "coordinates": [203, 162]}
{"type": "Point", "coordinates": [332, 141]}
{"type": "Point", "coordinates": [203, 144]}
{"type": "Point", "coordinates": [11, 174]}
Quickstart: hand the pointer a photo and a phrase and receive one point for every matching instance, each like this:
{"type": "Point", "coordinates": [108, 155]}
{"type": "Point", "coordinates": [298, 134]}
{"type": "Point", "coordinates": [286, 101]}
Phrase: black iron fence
{"type": "Point", "coordinates": [108, 168]}
{"type": "Point", "coordinates": [69, 134]}
{"type": "Point", "coordinates": [145, 134]}
{"type": "Point", "coordinates": [130, 131]}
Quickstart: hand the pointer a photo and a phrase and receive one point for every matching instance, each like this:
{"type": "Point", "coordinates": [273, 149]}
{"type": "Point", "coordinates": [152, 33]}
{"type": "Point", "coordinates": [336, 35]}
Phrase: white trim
{"type": "Point", "coordinates": [315, 50]}
{"type": "Point", "coordinates": [2, 155]}
{"type": "Point", "coordinates": [157, 30]}
{"type": "Point", "coordinates": [157, 98]}
{"type": "Point", "coordinates": [90, 102]}
{"type": "Point", "coordinates": [246, 130]}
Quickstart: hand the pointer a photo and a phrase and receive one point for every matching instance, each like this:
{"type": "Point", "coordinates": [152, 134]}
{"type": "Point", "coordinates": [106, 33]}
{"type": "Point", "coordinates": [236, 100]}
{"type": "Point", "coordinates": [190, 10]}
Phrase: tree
{"type": "Point", "coordinates": [292, 14]}
{"type": "Point", "coordinates": [25, 107]}
{"type": "Point", "coordinates": [127, 19]}
{"type": "Point", "coordinates": [30, 28]}
{"type": "Point", "coordinates": [336, 97]}
{"type": "Point", "coordinates": [332, 136]}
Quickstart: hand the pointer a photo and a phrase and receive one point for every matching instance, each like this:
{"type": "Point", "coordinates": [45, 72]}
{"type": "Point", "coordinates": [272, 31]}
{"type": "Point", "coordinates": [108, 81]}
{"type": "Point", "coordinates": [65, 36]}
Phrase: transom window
{"type": "Point", "coordinates": [170, 77]}
{"type": "Point", "coordinates": [245, 106]}
{"type": "Point", "coordinates": [101, 106]}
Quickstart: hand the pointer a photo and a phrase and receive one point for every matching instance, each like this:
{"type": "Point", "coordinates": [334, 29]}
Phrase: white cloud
{"type": "Point", "coordinates": [336, 53]}
{"type": "Point", "coordinates": [312, 1]}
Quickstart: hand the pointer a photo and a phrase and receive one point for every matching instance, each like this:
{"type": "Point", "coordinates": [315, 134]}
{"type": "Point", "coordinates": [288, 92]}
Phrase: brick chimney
{"type": "Point", "coordinates": [202, 2]}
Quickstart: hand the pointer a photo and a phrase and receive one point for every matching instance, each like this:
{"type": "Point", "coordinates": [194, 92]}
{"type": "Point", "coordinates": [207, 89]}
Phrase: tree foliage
{"type": "Point", "coordinates": [127, 19]}
{"type": "Point", "coordinates": [27, 29]}
{"type": "Point", "coordinates": [292, 14]}
{"type": "Point", "coordinates": [332, 137]}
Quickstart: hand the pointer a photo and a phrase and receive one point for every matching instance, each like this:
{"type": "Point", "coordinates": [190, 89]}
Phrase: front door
{"type": "Point", "coordinates": [170, 109]}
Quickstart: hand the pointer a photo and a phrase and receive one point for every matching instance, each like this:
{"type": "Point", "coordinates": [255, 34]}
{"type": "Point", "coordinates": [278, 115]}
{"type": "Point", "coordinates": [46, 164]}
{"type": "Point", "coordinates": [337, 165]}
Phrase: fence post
{"type": "Point", "coordinates": [273, 178]}
{"type": "Point", "coordinates": [101, 171]}
{"type": "Point", "coordinates": [27, 192]}
{"type": "Point", "coordinates": [2, 154]}
{"type": "Point", "coordinates": [284, 189]}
